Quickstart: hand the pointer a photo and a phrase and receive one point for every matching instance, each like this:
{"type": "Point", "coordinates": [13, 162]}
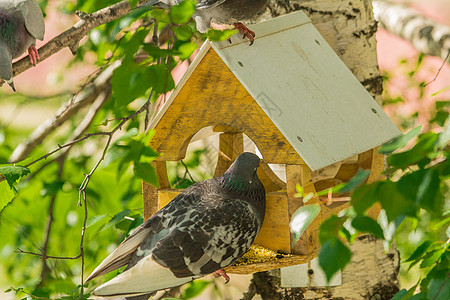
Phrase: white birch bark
{"type": "Point", "coordinates": [426, 35]}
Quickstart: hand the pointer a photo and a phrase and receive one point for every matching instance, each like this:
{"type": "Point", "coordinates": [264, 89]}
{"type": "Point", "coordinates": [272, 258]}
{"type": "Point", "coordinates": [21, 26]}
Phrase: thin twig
{"type": "Point", "coordinates": [440, 68]}
{"type": "Point", "coordinates": [48, 256]}
{"type": "Point", "coordinates": [72, 37]}
{"type": "Point", "coordinates": [187, 171]}
{"type": "Point", "coordinates": [45, 268]}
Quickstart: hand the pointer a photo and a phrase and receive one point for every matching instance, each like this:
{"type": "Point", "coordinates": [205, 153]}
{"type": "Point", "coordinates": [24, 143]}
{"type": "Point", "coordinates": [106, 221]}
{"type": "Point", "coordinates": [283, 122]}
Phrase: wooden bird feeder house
{"type": "Point", "coordinates": [296, 100]}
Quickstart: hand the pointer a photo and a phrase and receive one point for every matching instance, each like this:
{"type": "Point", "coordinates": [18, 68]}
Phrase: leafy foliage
{"type": "Point", "coordinates": [40, 214]}
{"type": "Point", "coordinates": [415, 197]}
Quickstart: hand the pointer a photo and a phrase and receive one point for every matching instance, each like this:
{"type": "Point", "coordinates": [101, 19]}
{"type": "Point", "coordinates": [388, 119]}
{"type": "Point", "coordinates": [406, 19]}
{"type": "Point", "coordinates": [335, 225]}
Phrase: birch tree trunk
{"type": "Point", "coordinates": [349, 27]}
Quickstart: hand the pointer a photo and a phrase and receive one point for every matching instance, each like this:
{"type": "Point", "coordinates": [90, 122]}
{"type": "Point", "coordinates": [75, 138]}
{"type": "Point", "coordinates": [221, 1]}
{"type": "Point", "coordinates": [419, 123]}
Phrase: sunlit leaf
{"type": "Point", "coordinates": [425, 144]}
{"type": "Point", "coordinates": [418, 253]}
{"type": "Point", "coordinates": [182, 12]}
{"type": "Point", "coordinates": [220, 35]}
{"type": "Point", "coordinates": [400, 141]}
{"type": "Point", "coordinates": [6, 195]}
{"type": "Point", "coordinates": [183, 32]}
{"type": "Point", "coordinates": [186, 50]}
{"type": "Point", "coordinates": [195, 288]}
{"type": "Point", "coordinates": [13, 173]}
{"type": "Point", "coordinates": [301, 219]}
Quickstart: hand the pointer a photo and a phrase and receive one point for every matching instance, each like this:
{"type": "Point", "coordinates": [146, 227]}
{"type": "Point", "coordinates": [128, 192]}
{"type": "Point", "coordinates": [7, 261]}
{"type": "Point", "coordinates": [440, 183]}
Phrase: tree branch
{"type": "Point", "coordinates": [88, 95]}
{"type": "Point", "coordinates": [426, 35]}
{"type": "Point", "coordinates": [71, 38]}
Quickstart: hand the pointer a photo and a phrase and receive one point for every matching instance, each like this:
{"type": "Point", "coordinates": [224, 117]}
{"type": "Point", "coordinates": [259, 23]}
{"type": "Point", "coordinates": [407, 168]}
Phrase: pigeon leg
{"type": "Point", "coordinates": [222, 273]}
{"type": "Point", "coordinates": [34, 55]}
{"type": "Point", "coordinates": [245, 31]}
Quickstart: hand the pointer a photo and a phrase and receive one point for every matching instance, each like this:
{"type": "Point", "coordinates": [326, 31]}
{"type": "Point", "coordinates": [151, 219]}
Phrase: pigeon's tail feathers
{"type": "Point", "coordinates": [145, 277]}
{"type": "Point", "coordinates": [122, 254]}
{"type": "Point", "coordinates": [11, 84]}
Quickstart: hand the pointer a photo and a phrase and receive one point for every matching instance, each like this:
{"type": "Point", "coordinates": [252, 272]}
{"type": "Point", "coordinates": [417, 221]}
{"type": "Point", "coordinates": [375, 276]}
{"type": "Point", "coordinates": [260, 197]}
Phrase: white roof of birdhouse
{"type": "Point", "coordinates": [304, 87]}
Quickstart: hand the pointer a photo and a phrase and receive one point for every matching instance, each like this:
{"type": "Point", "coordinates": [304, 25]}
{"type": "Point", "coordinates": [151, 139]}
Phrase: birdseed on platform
{"type": "Point", "coordinates": [259, 254]}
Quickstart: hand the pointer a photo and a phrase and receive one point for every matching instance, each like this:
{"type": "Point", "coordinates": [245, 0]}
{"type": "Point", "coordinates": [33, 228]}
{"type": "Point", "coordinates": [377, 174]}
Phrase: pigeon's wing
{"type": "Point", "coordinates": [34, 20]}
{"type": "Point", "coordinates": [141, 241]}
{"type": "Point", "coordinates": [209, 239]}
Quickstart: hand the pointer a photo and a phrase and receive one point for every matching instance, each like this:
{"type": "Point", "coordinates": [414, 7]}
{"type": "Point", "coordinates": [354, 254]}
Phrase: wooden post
{"type": "Point", "coordinates": [150, 192]}
{"type": "Point", "coordinates": [230, 146]}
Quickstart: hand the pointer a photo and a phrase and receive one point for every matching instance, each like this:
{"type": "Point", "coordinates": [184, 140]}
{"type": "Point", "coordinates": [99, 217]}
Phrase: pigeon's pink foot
{"type": "Point", "coordinates": [245, 31]}
{"type": "Point", "coordinates": [222, 273]}
{"type": "Point", "coordinates": [34, 55]}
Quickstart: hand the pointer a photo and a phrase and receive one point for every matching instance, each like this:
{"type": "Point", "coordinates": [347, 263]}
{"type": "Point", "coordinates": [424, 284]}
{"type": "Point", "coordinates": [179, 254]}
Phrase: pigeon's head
{"type": "Point", "coordinates": [241, 175]}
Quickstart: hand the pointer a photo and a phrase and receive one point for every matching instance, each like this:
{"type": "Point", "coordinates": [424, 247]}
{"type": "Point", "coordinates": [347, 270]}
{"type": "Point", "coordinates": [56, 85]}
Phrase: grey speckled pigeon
{"type": "Point", "coordinates": [21, 23]}
{"type": "Point", "coordinates": [206, 228]}
{"type": "Point", "coordinates": [222, 12]}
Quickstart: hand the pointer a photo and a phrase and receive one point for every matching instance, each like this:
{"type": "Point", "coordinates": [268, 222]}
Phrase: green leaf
{"type": "Point", "coordinates": [135, 43]}
{"type": "Point", "coordinates": [117, 218]}
{"type": "Point", "coordinates": [195, 288]}
{"type": "Point", "coordinates": [93, 220]}
{"type": "Point", "coordinates": [182, 12]}
{"type": "Point", "coordinates": [186, 50]}
{"type": "Point", "coordinates": [160, 78]}
{"type": "Point", "coordinates": [441, 223]}
{"type": "Point", "coordinates": [439, 286]}
{"type": "Point", "coordinates": [157, 52]}
{"type": "Point", "coordinates": [428, 195]}
{"type": "Point", "coordinates": [424, 146]}
{"type": "Point", "coordinates": [147, 172]}
{"type": "Point", "coordinates": [329, 229]}
{"type": "Point", "coordinates": [6, 195]}
{"type": "Point", "coordinates": [183, 32]}
{"type": "Point", "coordinates": [50, 189]}
{"type": "Point", "coordinates": [366, 224]}
{"type": "Point", "coordinates": [13, 173]}
{"type": "Point", "coordinates": [400, 142]}
{"type": "Point", "coordinates": [355, 181]}
{"type": "Point", "coordinates": [393, 202]}
{"type": "Point", "coordinates": [364, 197]}
{"type": "Point", "coordinates": [160, 15]}
{"type": "Point", "coordinates": [419, 251]}
{"type": "Point", "coordinates": [301, 219]}
{"type": "Point", "coordinates": [431, 258]}
{"type": "Point", "coordinates": [220, 35]}
{"type": "Point", "coordinates": [333, 256]}
{"type": "Point", "coordinates": [400, 294]}
{"type": "Point", "coordinates": [129, 82]}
